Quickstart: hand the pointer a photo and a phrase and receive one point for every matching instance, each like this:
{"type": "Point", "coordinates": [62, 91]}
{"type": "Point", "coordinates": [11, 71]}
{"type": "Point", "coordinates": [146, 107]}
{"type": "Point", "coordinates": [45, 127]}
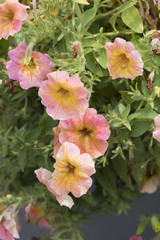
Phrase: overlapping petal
{"type": "Point", "coordinates": [72, 171]}
{"type": "Point", "coordinates": [89, 132]}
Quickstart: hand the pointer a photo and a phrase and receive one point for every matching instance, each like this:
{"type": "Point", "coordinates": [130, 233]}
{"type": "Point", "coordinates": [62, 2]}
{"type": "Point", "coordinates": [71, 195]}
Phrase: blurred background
{"type": "Point", "coordinates": [102, 227]}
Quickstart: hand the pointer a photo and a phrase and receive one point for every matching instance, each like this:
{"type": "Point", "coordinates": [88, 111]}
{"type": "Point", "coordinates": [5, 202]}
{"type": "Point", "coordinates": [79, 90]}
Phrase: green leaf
{"type": "Point", "coordinates": [121, 168]}
{"type": "Point", "coordinates": [132, 19]}
{"type": "Point", "coordinates": [92, 65]}
{"type": "Point", "coordinates": [4, 45]}
{"type": "Point", "coordinates": [139, 127]}
{"type": "Point", "coordinates": [47, 123]}
{"type": "Point", "coordinates": [32, 135]}
{"type": "Point", "coordinates": [147, 113]}
{"type": "Point", "coordinates": [120, 9]}
{"type": "Point", "coordinates": [102, 57]}
{"type": "Point", "coordinates": [88, 16]}
{"type": "Point", "coordinates": [126, 97]}
{"type": "Point", "coordinates": [22, 157]}
{"type": "Point", "coordinates": [81, 2]}
{"type": "Point", "coordinates": [126, 111]}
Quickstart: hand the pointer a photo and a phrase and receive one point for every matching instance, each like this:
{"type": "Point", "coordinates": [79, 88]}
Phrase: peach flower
{"type": "Point", "coordinates": [122, 59]}
{"type": "Point", "coordinates": [31, 74]}
{"type": "Point", "coordinates": [63, 96]}
{"type": "Point", "coordinates": [89, 132]}
{"type": "Point", "coordinates": [156, 133]}
{"type": "Point", "coordinates": [8, 228]}
{"type": "Point", "coordinates": [12, 13]}
{"type": "Point", "coordinates": [36, 212]}
{"type": "Point", "coordinates": [45, 177]}
{"type": "Point", "coordinates": [72, 171]}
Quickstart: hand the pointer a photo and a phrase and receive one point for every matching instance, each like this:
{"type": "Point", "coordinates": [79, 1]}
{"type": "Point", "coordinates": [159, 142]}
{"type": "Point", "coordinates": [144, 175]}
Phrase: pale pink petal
{"type": "Point", "coordinates": [80, 186]}
{"type": "Point", "coordinates": [68, 151]}
{"type": "Point", "coordinates": [65, 200]}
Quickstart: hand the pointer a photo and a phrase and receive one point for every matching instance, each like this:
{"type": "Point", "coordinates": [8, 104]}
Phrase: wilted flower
{"type": "Point", "coordinates": [156, 133]}
{"type": "Point", "coordinates": [12, 13]}
{"type": "Point", "coordinates": [8, 228]}
{"type": "Point", "coordinates": [45, 177]}
{"type": "Point", "coordinates": [150, 184]}
{"type": "Point", "coordinates": [135, 238]}
{"type": "Point", "coordinates": [31, 74]}
{"type": "Point", "coordinates": [72, 171]}
{"type": "Point", "coordinates": [89, 132]}
{"type": "Point", "coordinates": [122, 59]}
{"type": "Point", "coordinates": [36, 212]}
{"type": "Point", "coordinates": [63, 96]}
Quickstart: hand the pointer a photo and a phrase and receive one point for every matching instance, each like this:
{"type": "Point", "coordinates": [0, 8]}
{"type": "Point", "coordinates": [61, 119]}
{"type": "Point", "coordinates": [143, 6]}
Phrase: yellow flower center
{"type": "Point", "coordinates": [124, 60]}
{"type": "Point", "coordinates": [31, 65]}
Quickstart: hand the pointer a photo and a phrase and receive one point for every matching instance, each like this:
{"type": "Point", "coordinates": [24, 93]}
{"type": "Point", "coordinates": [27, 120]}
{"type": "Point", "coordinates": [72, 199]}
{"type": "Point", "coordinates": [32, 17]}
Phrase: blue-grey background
{"type": "Point", "coordinates": [110, 228]}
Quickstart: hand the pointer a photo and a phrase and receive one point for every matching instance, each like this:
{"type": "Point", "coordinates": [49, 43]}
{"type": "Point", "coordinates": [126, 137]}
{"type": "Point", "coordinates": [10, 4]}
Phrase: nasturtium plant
{"type": "Point", "coordinates": [79, 107]}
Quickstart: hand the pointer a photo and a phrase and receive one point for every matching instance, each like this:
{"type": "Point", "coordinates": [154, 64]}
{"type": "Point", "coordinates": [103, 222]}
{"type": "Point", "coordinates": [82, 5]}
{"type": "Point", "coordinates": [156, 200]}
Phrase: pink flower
{"type": "Point", "coordinates": [136, 238]}
{"type": "Point", "coordinates": [8, 229]}
{"type": "Point", "coordinates": [32, 74]}
{"type": "Point", "coordinates": [45, 177]}
{"type": "Point", "coordinates": [56, 142]}
{"type": "Point", "coordinates": [156, 133]}
{"type": "Point", "coordinates": [122, 59]}
{"type": "Point", "coordinates": [12, 13]}
{"type": "Point", "coordinates": [150, 184]}
{"type": "Point", "coordinates": [72, 171]}
{"type": "Point", "coordinates": [35, 213]}
{"type": "Point", "coordinates": [63, 96]}
{"type": "Point", "coordinates": [89, 132]}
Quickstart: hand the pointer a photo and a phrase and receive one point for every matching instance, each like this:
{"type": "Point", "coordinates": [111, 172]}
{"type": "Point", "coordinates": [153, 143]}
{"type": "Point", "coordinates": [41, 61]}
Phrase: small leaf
{"type": "Point", "coordinates": [126, 111]}
{"type": "Point", "coordinates": [132, 19]}
{"type": "Point", "coordinates": [88, 16]}
{"type": "Point", "coordinates": [81, 2]}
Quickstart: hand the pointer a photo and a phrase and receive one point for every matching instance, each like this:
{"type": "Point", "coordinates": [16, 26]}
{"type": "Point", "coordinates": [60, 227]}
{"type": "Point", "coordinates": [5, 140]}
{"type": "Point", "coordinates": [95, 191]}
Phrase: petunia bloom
{"type": "Point", "coordinates": [8, 228]}
{"type": "Point", "coordinates": [12, 13]}
{"type": "Point", "coordinates": [156, 133]}
{"type": "Point", "coordinates": [72, 171]}
{"type": "Point", "coordinates": [31, 74]}
{"type": "Point", "coordinates": [36, 212]}
{"type": "Point", "coordinates": [122, 59]}
{"type": "Point", "coordinates": [63, 96]}
{"type": "Point", "coordinates": [89, 132]}
{"type": "Point", "coordinates": [45, 177]}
